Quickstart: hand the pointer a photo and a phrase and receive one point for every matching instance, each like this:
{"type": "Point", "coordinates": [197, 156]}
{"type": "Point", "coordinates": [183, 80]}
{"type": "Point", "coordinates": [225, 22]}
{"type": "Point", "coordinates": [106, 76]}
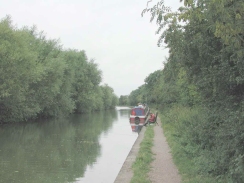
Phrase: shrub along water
{"type": "Point", "coordinates": [40, 79]}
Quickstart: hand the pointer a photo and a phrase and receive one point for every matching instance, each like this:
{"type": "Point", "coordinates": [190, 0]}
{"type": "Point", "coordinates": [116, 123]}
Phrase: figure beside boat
{"type": "Point", "coordinates": [152, 119]}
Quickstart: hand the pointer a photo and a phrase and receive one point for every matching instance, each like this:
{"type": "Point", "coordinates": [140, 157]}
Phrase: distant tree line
{"type": "Point", "coordinates": [40, 79]}
{"type": "Point", "coordinates": [202, 84]}
{"type": "Point", "coordinates": [123, 100]}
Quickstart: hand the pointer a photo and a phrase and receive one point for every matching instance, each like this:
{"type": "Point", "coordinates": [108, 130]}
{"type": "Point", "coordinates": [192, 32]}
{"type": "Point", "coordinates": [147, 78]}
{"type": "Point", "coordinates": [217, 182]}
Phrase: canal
{"type": "Point", "coordinates": [87, 148]}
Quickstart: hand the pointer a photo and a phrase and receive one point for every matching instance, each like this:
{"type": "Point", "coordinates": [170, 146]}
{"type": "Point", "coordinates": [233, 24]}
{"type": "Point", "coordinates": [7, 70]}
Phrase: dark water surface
{"type": "Point", "coordinates": [89, 148]}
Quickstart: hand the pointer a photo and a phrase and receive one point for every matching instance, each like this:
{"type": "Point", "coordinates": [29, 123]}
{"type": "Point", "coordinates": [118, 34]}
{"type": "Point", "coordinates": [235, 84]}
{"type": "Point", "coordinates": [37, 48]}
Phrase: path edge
{"type": "Point", "coordinates": [126, 173]}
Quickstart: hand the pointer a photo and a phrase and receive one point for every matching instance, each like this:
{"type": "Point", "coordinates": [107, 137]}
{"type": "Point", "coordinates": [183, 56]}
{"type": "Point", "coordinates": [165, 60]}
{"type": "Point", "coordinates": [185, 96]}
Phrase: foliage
{"type": "Point", "coordinates": [18, 69]}
{"type": "Point", "coordinates": [188, 135]}
{"type": "Point", "coordinates": [124, 100]}
{"type": "Point", "coordinates": [109, 98]}
{"type": "Point", "coordinates": [40, 79]}
{"type": "Point", "coordinates": [138, 95]}
{"type": "Point", "coordinates": [204, 76]}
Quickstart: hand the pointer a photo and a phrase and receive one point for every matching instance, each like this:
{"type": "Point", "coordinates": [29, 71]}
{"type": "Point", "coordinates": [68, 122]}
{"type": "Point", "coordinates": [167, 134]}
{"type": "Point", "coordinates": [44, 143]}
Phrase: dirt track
{"type": "Point", "coordinates": [163, 169]}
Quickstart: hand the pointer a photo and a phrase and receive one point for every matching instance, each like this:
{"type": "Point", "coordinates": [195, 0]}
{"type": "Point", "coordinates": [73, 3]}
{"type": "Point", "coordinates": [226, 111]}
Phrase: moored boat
{"type": "Point", "coordinates": [138, 116]}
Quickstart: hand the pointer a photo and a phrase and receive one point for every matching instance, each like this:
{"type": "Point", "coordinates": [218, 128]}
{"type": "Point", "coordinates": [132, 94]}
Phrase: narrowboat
{"type": "Point", "coordinates": [138, 116]}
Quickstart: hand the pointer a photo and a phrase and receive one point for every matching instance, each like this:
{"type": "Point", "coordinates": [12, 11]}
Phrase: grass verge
{"type": "Point", "coordinates": [173, 121]}
{"type": "Point", "coordinates": [141, 166]}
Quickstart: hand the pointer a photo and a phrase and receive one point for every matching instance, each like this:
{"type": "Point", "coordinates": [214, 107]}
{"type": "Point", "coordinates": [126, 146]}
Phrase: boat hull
{"type": "Point", "coordinates": [138, 117]}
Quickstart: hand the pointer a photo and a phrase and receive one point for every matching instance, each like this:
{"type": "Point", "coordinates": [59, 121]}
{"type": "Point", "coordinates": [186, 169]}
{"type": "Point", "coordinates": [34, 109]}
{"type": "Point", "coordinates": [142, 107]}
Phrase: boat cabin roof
{"type": "Point", "coordinates": [139, 111]}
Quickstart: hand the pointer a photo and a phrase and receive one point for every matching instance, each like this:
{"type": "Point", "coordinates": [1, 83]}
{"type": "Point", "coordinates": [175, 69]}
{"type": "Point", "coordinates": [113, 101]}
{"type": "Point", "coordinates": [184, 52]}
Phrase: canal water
{"type": "Point", "coordinates": [87, 148]}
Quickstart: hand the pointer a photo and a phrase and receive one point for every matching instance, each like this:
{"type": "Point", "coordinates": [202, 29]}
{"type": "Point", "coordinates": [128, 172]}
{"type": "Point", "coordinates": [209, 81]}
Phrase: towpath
{"type": "Point", "coordinates": [163, 169]}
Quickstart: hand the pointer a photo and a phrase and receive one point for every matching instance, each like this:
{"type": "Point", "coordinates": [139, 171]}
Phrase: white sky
{"type": "Point", "coordinates": [112, 32]}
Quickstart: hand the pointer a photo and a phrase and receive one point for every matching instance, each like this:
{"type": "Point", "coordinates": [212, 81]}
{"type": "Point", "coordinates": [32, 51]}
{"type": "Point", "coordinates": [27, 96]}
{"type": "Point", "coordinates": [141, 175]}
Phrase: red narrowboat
{"type": "Point", "coordinates": [138, 115]}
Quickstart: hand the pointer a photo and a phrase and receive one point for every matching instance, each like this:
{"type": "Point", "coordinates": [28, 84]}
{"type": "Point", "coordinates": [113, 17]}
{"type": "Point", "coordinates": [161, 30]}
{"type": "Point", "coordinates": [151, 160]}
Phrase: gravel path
{"type": "Point", "coordinates": [163, 169]}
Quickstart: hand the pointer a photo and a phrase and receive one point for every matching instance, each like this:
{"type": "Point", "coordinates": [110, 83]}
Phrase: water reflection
{"type": "Point", "coordinates": [54, 150]}
{"type": "Point", "coordinates": [136, 128]}
{"type": "Point", "coordinates": [124, 113]}
{"type": "Point", "coordinates": [116, 144]}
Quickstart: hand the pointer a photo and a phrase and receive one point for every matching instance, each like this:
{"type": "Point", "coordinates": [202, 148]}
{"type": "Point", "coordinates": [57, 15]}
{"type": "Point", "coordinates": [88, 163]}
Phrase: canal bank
{"type": "Point", "coordinates": [126, 172]}
{"type": "Point", "coordinates": [162, 168]}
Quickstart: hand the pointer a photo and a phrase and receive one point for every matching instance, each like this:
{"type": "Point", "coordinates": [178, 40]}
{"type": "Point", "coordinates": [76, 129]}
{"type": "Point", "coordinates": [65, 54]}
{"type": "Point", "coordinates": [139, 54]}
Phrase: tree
{"type": "Point", "coordinates": [205, 68]}
{"type": "Point", "coordinates": [123, 100]}
{"type": "Point", "coordinates": [40, 79]}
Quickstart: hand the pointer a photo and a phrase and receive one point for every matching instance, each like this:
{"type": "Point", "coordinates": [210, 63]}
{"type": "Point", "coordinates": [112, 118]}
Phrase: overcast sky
{"type": "Point", "coordinates": [112, 32]}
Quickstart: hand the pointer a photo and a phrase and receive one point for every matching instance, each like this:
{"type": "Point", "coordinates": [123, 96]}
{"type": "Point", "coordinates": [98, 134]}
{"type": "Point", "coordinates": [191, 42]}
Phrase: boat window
{"type": "Point", "coordinates": [139, 112]}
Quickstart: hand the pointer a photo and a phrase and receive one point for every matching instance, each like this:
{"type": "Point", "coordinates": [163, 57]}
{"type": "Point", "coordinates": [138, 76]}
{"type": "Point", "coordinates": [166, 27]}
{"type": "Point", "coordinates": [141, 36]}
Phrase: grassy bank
{"type": "Point", "coordinates": [141, 166]}
{"type": "Point", "coordinates": [180, 125]}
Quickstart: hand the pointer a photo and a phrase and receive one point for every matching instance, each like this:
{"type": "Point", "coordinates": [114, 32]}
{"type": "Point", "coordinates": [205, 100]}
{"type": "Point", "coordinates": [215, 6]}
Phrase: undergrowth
{"type": "Point", "coordinates": [181, 128]}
